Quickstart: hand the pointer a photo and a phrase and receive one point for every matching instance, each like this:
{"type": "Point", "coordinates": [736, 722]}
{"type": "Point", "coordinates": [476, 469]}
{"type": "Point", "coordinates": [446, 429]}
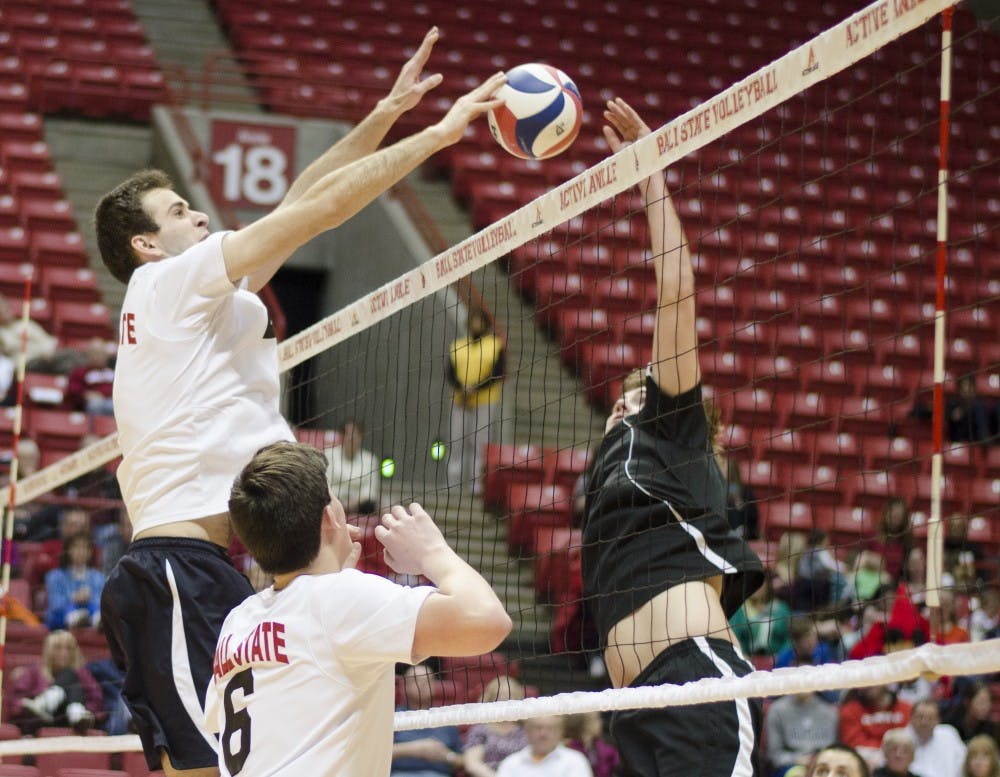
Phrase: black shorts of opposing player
{"type": "Point", "coordinates": [162, 608]}
{"type": "Point", "coordinates": [718, 739]}
{"type": "Point", "coordinates": [656, 512]}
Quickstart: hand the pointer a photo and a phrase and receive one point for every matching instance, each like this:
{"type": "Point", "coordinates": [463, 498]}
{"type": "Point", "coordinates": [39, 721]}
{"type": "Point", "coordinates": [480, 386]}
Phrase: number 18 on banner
{"type": "Point", "coordinates": [252, 164]}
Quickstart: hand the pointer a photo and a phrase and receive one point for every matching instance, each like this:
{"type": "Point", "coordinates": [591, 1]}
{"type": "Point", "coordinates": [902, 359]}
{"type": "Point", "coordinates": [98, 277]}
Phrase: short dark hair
{"type": "Point", "coordinates": [277, 505]}
{"type": "Point", "coordinates": [119, 217]}
{"type": "Point", "coordinates": [840, 747]}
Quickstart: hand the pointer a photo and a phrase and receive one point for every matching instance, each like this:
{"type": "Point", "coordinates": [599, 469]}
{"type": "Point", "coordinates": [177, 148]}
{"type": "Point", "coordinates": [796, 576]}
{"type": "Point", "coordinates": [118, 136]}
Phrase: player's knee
{"type": "Point", "coordinates": [170, 771]}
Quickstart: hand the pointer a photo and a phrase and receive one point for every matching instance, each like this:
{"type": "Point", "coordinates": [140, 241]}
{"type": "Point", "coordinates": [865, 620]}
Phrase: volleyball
{"type": "Point", "coordinates": [541, 113]}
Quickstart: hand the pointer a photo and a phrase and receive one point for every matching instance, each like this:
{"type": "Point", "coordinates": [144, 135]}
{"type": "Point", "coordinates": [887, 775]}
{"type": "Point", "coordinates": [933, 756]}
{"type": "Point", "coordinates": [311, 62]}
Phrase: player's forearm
{"type": "Point", "coordinates": [668, 243]}
{"type": "Point", "coordinates": [474, 603]}
{"type": "Point", "coordinates": [362, 140]}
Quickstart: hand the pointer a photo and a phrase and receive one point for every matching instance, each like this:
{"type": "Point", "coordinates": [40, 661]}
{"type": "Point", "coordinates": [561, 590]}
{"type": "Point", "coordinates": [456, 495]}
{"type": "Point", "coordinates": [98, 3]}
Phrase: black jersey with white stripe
{"type": "Point", "coordinates": [656, 512]}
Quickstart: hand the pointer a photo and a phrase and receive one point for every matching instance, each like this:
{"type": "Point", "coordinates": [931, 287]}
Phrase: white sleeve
{"type": "Point", "coordinates": [212, 711]}
{"type": "Point", "coordinates": [185, 289]}
{"type": "Point", "coordinates": [373, 619]}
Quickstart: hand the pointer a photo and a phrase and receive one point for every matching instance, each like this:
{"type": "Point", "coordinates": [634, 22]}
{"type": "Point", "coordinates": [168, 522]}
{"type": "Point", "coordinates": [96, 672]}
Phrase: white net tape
{"type": "Point", "coordinates": [965, 659]}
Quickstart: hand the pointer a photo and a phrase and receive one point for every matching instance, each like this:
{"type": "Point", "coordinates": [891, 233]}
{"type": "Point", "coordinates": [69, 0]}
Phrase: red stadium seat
{"type": "Point", "coordinates": [82, 320]}
{"type": "Point", "coordinates": [62, 248]}
{"type": "Point", "coordinates": [72, 771]}
{"type": "Point", "coordinates": [74, 284]}
{"type": "Point", "coordinates": [509, 464]}
{"type": "Point", "coordinates": [556, 552]}
{"type": "Point", "coordinates": [805, 410]}
{"type": "Point", "coordinates": [134, 762]}
{"type": "Point", "coordinates": [820, 485]}
{"type": "Point", "coordinates": [840, 450]}
{"type": "Point", "coordinates": [780, 517]}
{"type": "Point", "coordinates": [873, 488]}
{"type": "Point", "coordinates": [755, 408]}
{"type": "Point", "coordinates": [13, 277]}
{"type": "Point", "coordinates": [51, 763]}
{"type": "Point", "coordinates": [532, 506]}
{"type": "Point", "coordinates": [18, 770]}
{"type": "Point", "coordinates": [860, 416]}
{"type": "Point", "coordinates": [848, 524]}
{"type": "Point", "coordinates": [766, 479]}
{"type": "Point", "coordinates": [44, 390]}
{"type": "Point", "coordinates": [564, 466]}
{"type": "Point", "coordinates": [58, 430]}
{"type": "Point", "coordinates": [984, 496]}
{"type": "Point", "coordinates": [787, 447]}
{"type": "Point", "coordinates": [13, 244]}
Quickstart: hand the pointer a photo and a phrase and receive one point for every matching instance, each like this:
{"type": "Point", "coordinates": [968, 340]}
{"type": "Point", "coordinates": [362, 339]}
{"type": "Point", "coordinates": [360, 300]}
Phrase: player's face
{"type": "Point", "coordinates": [629, 403]}
{"type": "Point", "coordinates": [835, 763]}
{"type": "Point", "coordinates": [180, 227]}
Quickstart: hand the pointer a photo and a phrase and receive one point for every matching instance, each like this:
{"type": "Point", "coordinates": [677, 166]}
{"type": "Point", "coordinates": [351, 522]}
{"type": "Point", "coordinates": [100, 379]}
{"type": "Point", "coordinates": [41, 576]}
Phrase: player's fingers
{"type": "Point", "coordinates": [351, 562]}
{"type": "Point", "coordinates": [381, 534]}
{"type": "Point", "coordinates": [424, 86]}
{"type": "Point", "coordinates": [614, 142]}
{"type": "Point", "coordinates": [489, 86]}
{"type": "Point", "coordinates": [354, 532]}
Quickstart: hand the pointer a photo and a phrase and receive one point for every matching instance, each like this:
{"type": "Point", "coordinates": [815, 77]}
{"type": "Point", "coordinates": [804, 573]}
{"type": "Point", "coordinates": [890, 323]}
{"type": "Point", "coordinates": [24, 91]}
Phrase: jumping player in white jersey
{"type": "Point", "coordinates": [661, 568]}
{"type": "Point", "coordinates": [303, 680]}
{"type": "Point", "coordinates": [196, 394]}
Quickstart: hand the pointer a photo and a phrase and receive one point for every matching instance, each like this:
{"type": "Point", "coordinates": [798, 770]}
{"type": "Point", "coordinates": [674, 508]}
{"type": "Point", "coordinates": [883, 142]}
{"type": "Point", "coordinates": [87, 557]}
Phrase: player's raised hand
{"type": "Point", "coordinates": [410, 88]}
{"type": "Point", "coordinates": [469, 106]}
{"type": "Point", "coordinates": [626, 126]}
{"type": "Point", "coordinates": [354, 532]}
{"type": "Point", "coordinates": [410, 537]}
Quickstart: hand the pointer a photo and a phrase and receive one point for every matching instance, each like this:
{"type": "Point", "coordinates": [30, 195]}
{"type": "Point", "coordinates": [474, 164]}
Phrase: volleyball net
{"type": "Point", "coordinates": [846, 254]}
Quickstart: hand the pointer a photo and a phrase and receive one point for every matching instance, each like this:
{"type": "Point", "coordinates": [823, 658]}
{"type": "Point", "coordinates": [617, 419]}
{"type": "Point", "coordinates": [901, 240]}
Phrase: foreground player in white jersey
{"type": "Point", "coordinates": [196, 394]}
{"type": "Point", "coordinates": [303, 680]}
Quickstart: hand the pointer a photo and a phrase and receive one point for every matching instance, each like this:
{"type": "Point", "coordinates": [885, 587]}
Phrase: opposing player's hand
{"type": "Point", "coordinates": [409, 88]}
{"type": "Point", "coordinates": [409, 536]}
{"type": "Point", "coordinates": [626, 126]}
{"type": "Point", "coordinates": [469, 106]}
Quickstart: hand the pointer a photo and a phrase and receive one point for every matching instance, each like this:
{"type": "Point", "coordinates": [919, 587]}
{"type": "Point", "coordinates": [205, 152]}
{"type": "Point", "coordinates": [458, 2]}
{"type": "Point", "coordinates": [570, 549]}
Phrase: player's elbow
{"type": "Point", "coordinates": [484, 629]}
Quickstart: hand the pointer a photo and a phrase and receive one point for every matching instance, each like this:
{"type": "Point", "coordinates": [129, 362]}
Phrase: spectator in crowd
{"type": "Point", "coordinates": [966, 414]}
{"type": "Point", "coordinates": [869, 575]}
{"type": "Point", "coordinates": [950, 631]}
{"type": "Point", "coordinates": [971, 712]}
{"type": "Point", "coordinates": [791, 546]}
{"type": "Point", "coordinates": [762, 623]}
{"type": "Point", "coordinates": [894, 536]}
{"type": "Point", "coordinates": [866, 714]}
{"type": "Point", "coordinates": [915, 577]}
{"type": "Point", "coordinates": [476, 372]}
{"type": "Point", "coordinates": [897, 749]}
{"type": "Point", "coordinates": [545, 755]}
{"type": "Point", "coordinates": [487, 744]}
{"type": "Point", "coordinates": [819, 579]}
{"type": "Point", "coordinates": [838, 760]}
{"type": "Point", "coordinates": [427, 752]}
{"type": "Point", "coordinates": [806, 648]}
{"type": "Point", "coordinates": [353, 472]}
{"type": "Point", "coordinates": [981, 759]}
{"type": "Point", "coordinates": [585, 733]}
{"type": "Point", "coordinates": [797, 726]}
{"type": "Point", "coordinates": [57, 691]}
{"type": "Point", "coordinates": [940, 751]}
{"type": "Point", "coordinates": [985, 616]}
{"type": "Point", "coordinates": [741, 503]}
{"type": "Point", "coordinates": [74, 588]}
{"type": "Point", "coordinates": [961, 555]}
{"type": "Point", "coordinates": [111, 540]}
{"type": "Point", "coordinates": [40, 346]}
{"type": "Point", "coordinates": [117, 718]}
{"type": "Point", "coordinates": [91, 383]}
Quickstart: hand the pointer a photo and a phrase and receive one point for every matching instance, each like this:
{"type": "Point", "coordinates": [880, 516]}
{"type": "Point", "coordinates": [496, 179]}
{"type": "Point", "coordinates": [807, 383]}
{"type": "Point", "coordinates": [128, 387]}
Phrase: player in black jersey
{"type": "Point", "coordinates": [662, 569]}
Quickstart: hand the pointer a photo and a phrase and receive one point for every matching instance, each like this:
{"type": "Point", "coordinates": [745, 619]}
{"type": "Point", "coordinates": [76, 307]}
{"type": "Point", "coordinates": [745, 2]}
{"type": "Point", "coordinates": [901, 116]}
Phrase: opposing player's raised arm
{"type": "Point", "coordinates": [675, 341]}
{"type": "Point", "coordinates": [364, 138]}
{"type": "Point", "coordinates": [340, 194]}
{"type": "Point", "coordinates": [464, 617]}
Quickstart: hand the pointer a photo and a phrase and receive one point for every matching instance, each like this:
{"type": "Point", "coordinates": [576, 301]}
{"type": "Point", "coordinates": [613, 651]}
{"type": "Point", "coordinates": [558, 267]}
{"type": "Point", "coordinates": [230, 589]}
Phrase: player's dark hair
{"type": "Point", "coordinates": [119, 217]}
{"type": "Point", "coordinates": [277, 505]}
{"type": "Point", "coordinates": [840, 747]}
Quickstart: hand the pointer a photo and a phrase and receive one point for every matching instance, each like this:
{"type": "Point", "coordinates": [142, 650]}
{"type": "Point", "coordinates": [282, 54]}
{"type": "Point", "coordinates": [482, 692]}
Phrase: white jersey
{"type": "Point", "coordinates": [196, 386]}
{"type": "Point", "coordinates": [303, 678]}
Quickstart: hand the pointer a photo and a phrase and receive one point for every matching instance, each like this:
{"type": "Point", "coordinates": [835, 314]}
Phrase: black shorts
{"type": "Point", "coordinates": [718, 739]}
{"type": "Point", "coordinates": [162, 609]}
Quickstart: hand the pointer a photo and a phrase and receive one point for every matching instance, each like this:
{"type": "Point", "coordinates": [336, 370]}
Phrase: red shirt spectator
{"type": "Point", "coordinates": [867, 713]}
{"type": "Point", "coordinates": [90, 385]}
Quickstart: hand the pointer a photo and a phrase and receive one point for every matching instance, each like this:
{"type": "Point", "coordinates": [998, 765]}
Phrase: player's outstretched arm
{"type": "Point", "coordinates": [464, 617]}
{"type": "Point", "coordinates": [675, 341]}
{"type": "Point", "coordinates": [341, 193]}
{"type": "Point", "coordinates": [365, 137]}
